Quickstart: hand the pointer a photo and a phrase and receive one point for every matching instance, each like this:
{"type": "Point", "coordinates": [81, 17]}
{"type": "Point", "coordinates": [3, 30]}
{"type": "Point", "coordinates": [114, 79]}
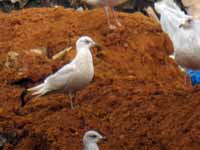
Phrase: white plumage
{"type": "Point", "coordinates": [187, 46]}
{"type": "Point", "coordinates": [90, 140]}
{"type": "Point", "coordinates": [184, 32]}
{"type": "Point", "coordinates": [171, 16]}
{"type": "Point", "coordinates": [73, 76]}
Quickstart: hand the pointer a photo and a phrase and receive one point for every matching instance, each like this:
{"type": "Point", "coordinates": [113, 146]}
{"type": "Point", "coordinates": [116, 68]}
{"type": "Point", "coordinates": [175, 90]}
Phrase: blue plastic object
{"type": "Point", "coordinates": [194, 76]}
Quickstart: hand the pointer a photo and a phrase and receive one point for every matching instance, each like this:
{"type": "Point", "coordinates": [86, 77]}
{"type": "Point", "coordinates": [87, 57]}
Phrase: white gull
{"type": "Point", "coordinates": [91, 138]}
{"type": "Point", "coordinates": [184, 32]}
{"type": "Point", "coordinates": [71, 77]}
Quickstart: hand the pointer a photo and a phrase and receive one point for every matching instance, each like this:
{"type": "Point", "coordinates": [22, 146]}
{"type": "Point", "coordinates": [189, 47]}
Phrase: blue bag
{"type": "Point", "coordinates": [194, 76]}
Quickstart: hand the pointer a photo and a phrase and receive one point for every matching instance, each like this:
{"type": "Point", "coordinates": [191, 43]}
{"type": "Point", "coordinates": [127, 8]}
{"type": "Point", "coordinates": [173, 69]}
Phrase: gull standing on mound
{"type": "Point", "coordinates": [106, 4]}
{"type": "Point", "coordinates": [90, 140]}
{"type": "Point", "coordinates": [71, 77]}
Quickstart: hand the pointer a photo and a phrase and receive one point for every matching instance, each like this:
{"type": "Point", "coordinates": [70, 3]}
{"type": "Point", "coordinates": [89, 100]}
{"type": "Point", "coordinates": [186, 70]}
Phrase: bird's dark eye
{"type": "Point", "coordinates": [190, 20]}
{"type": "Point", "coordinates": [93, 136]}
{"type": "Point", "coordinates": [87, 41]}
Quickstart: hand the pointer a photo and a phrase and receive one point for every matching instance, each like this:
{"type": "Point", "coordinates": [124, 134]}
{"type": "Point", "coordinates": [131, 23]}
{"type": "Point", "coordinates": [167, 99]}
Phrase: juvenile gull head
{"type": "Point", "coordinates": [71, 77]}
{"type": "Point", "coordinates": [91, 138]}
{"type": "Point", "coordinates": [85, 42]}
{"type": "Point", "coordinates": [186, 23]}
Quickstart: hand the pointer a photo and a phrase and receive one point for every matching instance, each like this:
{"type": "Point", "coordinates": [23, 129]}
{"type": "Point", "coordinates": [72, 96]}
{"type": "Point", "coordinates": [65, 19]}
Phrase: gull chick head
{"type": "Point", "coordinates": [186, 23]}
{"type": "Point", "coordinates": [92, 137]}
{"type": "Point", "coordinates": [85, 42]}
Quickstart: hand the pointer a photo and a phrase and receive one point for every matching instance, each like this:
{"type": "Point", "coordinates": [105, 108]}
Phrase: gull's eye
{"type": "Point", "coordinates": [190, 20]}
{"type": "Point", "coordinates": [87, 41]}
{"type": "Point", "coordinates": [93, 136]}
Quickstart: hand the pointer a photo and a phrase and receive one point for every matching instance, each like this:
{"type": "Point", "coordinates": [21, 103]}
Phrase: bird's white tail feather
{"type": "Point", "coordinates": [38, 90]}
{"type": "Point", "coordinates": [41, 92]}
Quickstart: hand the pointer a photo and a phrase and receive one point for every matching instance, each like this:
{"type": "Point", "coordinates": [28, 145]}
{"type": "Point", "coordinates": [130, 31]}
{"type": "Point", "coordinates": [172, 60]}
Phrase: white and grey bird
{"type": "Point", "coordinates": [91, 139]}
{"type": "Point", "coordinates": [184, 32]}
{"type": "Point", "coordinates": [171, 16]}
{"type": "Point", "coordinates": [71, 77]}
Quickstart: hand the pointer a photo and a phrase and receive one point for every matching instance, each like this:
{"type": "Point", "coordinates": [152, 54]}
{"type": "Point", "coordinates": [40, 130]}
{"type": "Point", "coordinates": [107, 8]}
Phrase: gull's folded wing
{"type": "Point", "coordinates": [59, 79]}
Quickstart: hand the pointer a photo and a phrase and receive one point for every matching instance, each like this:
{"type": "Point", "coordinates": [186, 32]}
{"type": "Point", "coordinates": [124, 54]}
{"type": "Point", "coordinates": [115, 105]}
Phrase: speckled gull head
{"type": "Point", "coordinates": [91, 138]}
{"type": "Point", "coordinates": [85, 42]}
{"type": "Point", "coordinates": [186, 23]}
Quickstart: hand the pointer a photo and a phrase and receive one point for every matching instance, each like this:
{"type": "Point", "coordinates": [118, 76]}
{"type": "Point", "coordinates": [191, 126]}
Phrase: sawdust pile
{"type": "Point", "coordinates": [137, 99]}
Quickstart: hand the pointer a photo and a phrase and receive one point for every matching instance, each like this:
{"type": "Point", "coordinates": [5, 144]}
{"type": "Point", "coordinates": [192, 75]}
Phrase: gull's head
{"type": "Point", "coordinates": [85, 42]}
{"type": "Point", "coordinates": [186, 23]}
{"type": "Point", "coordinates": [92, 137]}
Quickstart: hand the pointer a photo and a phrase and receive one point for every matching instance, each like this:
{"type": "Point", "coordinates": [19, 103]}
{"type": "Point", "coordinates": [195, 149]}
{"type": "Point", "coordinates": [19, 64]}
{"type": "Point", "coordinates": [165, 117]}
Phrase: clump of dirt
{"type": "Point", "coordinates": [138, 98]}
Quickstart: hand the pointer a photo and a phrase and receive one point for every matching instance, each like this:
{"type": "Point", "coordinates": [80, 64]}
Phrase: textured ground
{"type": "Point", "coordinates": [138, 98]}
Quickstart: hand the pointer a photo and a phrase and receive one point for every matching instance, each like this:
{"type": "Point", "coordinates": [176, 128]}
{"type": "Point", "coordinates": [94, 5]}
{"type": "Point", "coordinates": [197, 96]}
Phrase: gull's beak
{"type": "Point", "coordinates": [102, 140]}
{"type": "Point", "coordinates": [185, 23]}
{"type": "Point", "coordinates": [182, 25]}
{"type": "Point", "coordinates": [96, 46]}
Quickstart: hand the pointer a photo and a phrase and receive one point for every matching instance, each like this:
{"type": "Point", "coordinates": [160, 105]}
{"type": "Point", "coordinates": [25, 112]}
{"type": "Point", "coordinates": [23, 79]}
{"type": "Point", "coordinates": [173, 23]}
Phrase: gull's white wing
{"type": "Point", "coordinates": [59, 79]}
{"type": "Point", "coordinates": [171, 16]}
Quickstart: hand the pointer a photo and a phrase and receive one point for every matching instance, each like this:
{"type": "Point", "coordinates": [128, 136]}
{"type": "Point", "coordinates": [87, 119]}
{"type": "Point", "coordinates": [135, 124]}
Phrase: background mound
{"type": "Point", "coordinates": [138, 98]}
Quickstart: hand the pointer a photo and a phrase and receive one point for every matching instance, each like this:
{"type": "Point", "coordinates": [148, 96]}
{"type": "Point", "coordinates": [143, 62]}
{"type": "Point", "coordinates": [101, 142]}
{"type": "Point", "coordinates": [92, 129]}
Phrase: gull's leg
{"type": "Point", "coordinates": [106, 10]}
{"type": "Point", "coordinates": [71, 97]}
{"type": "Point", "coordinates": [115, 17]}
{"type": "Point", "coordinates": [185, 78]}
{"type": "Point", "coordinates": [72, 2]}
{"type": "Point", "coordinates": [22, 97]}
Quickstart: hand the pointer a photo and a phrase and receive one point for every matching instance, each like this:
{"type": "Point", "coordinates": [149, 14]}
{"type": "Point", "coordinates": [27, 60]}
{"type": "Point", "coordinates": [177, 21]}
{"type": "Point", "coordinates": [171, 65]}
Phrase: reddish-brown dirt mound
{"type": "Point", "coordinates": [137, 99]}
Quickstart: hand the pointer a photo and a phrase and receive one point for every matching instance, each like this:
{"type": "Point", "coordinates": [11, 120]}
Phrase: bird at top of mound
{"type": "Point", "coordinates": [71, 77]}
{"type": "Point", "coordinates": [106, 4]}
{"type": "Point", "coordinates": [184, 32]}
{"type": "Point", "coordinates": [170, 16]}
{"type": "Point", "coordinates": [91, 138]}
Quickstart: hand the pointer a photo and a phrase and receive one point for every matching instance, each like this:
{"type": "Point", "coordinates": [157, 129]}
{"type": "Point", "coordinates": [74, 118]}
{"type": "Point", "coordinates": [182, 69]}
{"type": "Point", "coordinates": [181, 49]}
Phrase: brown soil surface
{"type": "Point", "coordinates": [138, 98]}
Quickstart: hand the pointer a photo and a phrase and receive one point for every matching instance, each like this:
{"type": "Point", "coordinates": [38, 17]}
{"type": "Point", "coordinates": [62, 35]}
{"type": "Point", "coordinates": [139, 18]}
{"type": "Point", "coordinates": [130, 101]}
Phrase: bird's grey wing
{"type": "Point", "coordinates": [59, 79]}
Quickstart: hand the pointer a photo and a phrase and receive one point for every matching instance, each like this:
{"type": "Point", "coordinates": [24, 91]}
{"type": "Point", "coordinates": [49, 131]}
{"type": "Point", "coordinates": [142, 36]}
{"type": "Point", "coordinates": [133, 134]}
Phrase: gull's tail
{"type": "Point", "coordinates": [38, 91]}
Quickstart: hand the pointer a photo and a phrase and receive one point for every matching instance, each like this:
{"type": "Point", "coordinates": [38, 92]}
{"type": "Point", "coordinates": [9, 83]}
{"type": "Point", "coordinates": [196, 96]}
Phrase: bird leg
{"type": "Point", "coordinates": [73, 3]}
{"type": "Point", "coordinates": [186, 79]}
{"type": "Point", "coordinates": [71, 97]}
{"type": "Point", "coordinates": [22, 98]}
{"type": "Point", "coordinates": [115, 17]}
{"type": "Point", "coordinates": [106, 10]}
